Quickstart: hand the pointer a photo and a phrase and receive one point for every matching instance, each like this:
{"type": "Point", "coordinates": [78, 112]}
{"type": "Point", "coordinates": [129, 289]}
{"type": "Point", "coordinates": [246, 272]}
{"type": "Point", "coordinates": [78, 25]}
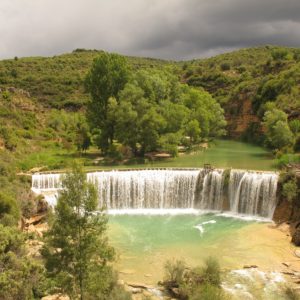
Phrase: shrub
{"type": "Point", "coordinates": [19, 277]}
{"type": "Point", "coordinates": [279, 54]}
{"type": "Point", "coordinates": [290, 190]}
{"type": "Point", "coordinates": [225, 66]}
{"type": "Point", "coordinates": [14, 73]}
{"type": "Point", "coordinates": [207, 292]}
{"type": "Point", "coordinates": [174, 271]}
{"type": "Point", "coordinates": [211, 272]}
{"type": "Point", "coordinates": [197, 283]}
{"type": "Point", "coordinates": [8, 206]}
{"type": "Point", "coordinates": [6, 95]}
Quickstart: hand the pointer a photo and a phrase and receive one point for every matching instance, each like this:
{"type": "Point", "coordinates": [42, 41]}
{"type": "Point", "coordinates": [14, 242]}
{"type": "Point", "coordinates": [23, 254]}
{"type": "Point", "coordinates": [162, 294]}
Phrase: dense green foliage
{"type": "Point", "coordinates": [248, 83]}
{"type": "Point", "coordinates": [20, 277]}
{"type": "Point", "coordinates": [107, 77]}
{"type": "Point", "coordinates": [289, 189]}
{"type": "Point", "coordinates": [278, 132]}
{"type": "Point", "coordinates": [31, 88]}
{"type": "Point", "coordinates": [149, 111]}
{"type": "Point", "coordinates": [76, 251]}
{"type": "Point", "coordinates": [193, 284]}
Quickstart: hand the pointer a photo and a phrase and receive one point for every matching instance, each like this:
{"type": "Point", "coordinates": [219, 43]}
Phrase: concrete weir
{"type": "Point", "coordinates": [237, 191]}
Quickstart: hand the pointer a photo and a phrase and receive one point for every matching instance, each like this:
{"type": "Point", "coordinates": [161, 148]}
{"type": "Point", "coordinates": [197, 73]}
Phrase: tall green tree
{"type": "Point", "coordinates": [107, 77]}
{"type": "Point", "coordinates": [278, 132]}
{"type": "Point", "coordinates": [204, 108]}
{"type": "Point", "coordinates": [76, 250]}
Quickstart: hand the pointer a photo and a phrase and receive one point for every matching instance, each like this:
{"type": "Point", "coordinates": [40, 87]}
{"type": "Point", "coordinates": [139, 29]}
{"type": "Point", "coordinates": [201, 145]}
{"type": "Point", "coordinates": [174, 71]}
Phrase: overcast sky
{"type": "Point", "coordinates": [174, 29]}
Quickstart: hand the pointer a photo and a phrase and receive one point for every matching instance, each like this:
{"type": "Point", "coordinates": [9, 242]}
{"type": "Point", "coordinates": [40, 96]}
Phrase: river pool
{"type": "Point", "coordinates": [144, 243]}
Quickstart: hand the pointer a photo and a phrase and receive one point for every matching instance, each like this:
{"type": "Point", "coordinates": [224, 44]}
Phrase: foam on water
{"type": "Point", "coordinates": [156, 212]}
{"type": "Point", "coordinates": [240, 284]}
{"type": "Point", "coordinates": [200, 226]}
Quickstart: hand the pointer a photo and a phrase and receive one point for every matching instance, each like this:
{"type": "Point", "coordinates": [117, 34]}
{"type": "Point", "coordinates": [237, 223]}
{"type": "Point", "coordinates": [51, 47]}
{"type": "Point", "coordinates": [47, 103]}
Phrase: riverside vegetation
{"type": "Point", "coordinates": [137, 106]}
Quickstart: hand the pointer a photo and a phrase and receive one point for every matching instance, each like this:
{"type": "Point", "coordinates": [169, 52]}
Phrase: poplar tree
{"type": "Point", "coordinates": [106, 78]}
{"type": "Point", "coordinates": [76, 250]}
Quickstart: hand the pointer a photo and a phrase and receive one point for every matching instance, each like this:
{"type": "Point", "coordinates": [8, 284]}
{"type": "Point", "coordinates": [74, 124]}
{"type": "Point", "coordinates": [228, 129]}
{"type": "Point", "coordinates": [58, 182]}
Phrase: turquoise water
{"type": "Point", "coordinates": [144, 242]}
{"type": "Point", "coordinates": [146, 234]}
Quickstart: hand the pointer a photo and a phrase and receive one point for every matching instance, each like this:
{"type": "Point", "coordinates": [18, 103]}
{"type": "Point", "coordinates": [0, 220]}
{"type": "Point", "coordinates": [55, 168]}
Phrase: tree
{"type": "Point", "coordinates": [76, 251]}
{"type": "Point", "coordinates": [206, 111]}
{"type": "Point", "coordinates": [290, 189]}
{"type": "Point", "coordinates": [193, 130]}
{"type": "Point", "coordinates": [138, 121]}
{"type": "Point", "coordinates": [107, 77]}
{"type": "Point", "coordinates": [83, 137]}
{"type": "Point", "coordinates": [278, 132]}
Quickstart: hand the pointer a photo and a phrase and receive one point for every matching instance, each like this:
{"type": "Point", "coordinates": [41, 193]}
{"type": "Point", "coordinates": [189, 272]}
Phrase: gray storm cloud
{"type": "Point", "coordinates": [173, 29]}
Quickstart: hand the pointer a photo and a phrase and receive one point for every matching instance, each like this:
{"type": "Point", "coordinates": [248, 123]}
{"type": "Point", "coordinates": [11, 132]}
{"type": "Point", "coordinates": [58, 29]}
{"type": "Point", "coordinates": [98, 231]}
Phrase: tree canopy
{"type": "Point", "coordinates": [278, 131]}
{"type": "Point", "coordinates": [150, 111]}
{"type": "Point", "coordinates": [76, 251]}
{"type": "Point", "coordinates": [106, 78]}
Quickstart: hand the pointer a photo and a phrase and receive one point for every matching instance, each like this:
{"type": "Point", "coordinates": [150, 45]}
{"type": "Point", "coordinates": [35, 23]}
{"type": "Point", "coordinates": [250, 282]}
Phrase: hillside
{"type": "Point", "coordinates": [57, 81]}
{"type": "Point", "coordinates": [244, 81]}
{"type": "Point", "coordinates": [37, 94]}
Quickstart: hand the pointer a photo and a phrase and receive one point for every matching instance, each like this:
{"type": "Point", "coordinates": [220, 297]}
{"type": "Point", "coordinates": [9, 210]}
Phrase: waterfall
{"type": "Point", "coordinates": [251, 193]}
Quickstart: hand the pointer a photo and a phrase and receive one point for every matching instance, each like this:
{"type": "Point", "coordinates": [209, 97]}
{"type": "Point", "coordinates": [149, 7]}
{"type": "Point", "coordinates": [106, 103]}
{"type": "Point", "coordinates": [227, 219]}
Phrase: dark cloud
{"type": "Point", "coordinates": [174, 29]}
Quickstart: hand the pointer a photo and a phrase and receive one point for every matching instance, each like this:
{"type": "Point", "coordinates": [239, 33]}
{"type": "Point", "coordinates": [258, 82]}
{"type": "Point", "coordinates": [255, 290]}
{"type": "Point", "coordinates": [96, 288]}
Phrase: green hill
{"type": "Point", "coordinates": [248, 77]}
{"type": "Point", "coordinates": [244, 81]}
{"type": "Point", "coordinates": [58, 81]}
{"type": "Point", "coordinates": [37, 94]}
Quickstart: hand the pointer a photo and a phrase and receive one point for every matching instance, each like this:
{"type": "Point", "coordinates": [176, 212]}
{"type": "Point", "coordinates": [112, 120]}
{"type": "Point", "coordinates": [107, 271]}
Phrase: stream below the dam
{"type": "Point", "coordinates": [190, 214]}
{"type": "Point", "coordinates": [145, 242]}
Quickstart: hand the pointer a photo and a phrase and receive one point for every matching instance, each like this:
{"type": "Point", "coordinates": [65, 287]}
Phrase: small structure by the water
{"type": "Point", "coordinates": [162, 155]}
{"type": "Point", "coordinates": [208, 167]}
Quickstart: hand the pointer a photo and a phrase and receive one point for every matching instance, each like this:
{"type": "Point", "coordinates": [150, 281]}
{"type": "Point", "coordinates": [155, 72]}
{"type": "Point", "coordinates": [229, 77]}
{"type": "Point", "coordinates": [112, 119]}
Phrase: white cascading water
{"type": "Point", "coordinates": [251, 193]}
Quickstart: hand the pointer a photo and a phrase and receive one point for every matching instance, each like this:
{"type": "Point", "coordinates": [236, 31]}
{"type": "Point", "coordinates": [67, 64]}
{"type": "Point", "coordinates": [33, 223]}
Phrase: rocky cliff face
{"type": "Point", "coordinates": [241, 118]}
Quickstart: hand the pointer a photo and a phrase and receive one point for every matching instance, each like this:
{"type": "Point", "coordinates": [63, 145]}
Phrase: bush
{"type": "Point", "coordinates": [8, 206]}
{"type": "Point", "coordinates": [10, 139]}
{"type": "Point", "coordinates": [290, 190]}
{"type": "Point", "coordinates": [174, 271]}
{"type": "Point", "coordinates": [211, 272]}
{"type": "Point", "coordinates": [6, 95]}
{"type": "Point", "coordinates": [197, 283]}
{"type": "Point", "coordinates": [284, 159]}
{"type": "Point", "coordinates": [225, 66]}
{"type": "Point", "coordinates": [279, 54]}
{"type": "Point", "coordinates": [207, 292]}
{"type": "Point", "coordinates": [19, 277]}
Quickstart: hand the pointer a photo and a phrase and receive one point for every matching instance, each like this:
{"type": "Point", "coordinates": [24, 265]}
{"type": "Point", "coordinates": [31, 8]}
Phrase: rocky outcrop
{"type": "Point", "coordinates": [239, 116]}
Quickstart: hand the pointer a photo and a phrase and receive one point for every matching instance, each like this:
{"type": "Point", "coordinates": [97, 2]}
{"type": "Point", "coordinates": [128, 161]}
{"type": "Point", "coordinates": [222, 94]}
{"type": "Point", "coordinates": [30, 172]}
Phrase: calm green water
{"type": "Point", "coordinates": [222, 154]}
{"type": "Point", "coordinates": [230, 154]}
